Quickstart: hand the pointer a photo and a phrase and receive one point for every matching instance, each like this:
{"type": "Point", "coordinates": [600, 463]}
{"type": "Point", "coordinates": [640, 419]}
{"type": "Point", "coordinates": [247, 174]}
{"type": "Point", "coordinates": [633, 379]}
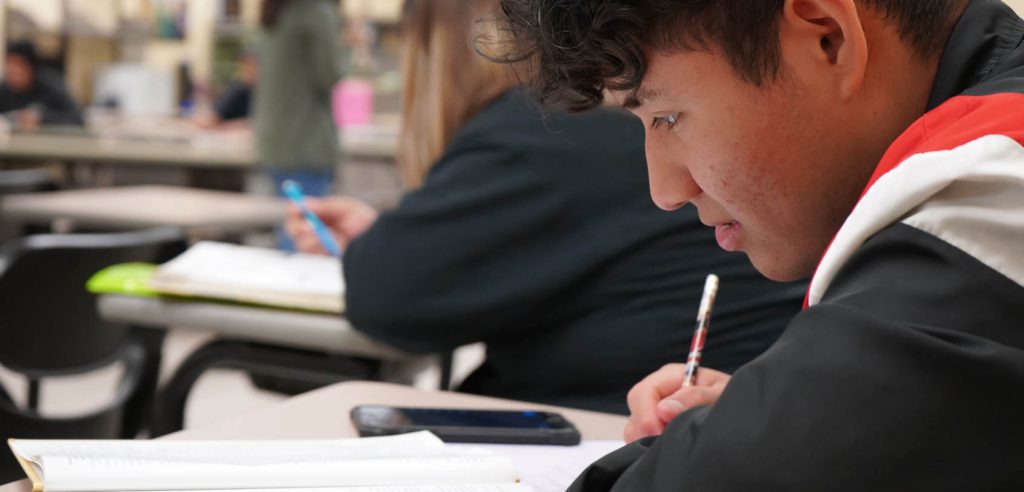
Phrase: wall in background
{"type": "Point", "coordinates": [375, 10]}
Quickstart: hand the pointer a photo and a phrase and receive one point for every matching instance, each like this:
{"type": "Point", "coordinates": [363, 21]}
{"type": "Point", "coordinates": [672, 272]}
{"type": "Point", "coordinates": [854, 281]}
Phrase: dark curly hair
{"type": "Point", "coordinates": [582, 47]}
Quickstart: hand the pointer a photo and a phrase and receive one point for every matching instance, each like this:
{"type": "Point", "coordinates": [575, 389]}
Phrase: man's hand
{"type": "Point", "coordinates": [660, 397]}
{"type": "Point", "coordinates": [346, 218]}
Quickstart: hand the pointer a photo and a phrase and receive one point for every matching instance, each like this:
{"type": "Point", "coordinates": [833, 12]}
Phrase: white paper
{"type": "Point", "coordinates": [65, 475]}
{"type": "Point", "coordinates": [550, 468]}
{"type": "Point", "coordinates": [490, 487]}
{"type": "Point", "coordinates": [246, 273]}
{"type": "Point", "coordinates": [238, 452]}
{"type": "Point", "coordinates": [410, 459]}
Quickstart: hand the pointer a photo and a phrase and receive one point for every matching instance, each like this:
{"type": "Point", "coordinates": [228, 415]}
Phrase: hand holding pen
{"type": "Point", "coordinates": [345, 219]}
{"type": "Point", "coordinates": [675, 388]}
{"type": "Point", "coordinates": [293, 191]}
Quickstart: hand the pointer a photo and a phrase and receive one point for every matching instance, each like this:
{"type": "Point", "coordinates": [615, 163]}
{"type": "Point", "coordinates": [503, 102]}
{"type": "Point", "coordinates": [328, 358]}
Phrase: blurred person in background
{"type": "Point", "coordinates": [32, 95]}
{"type": "Point", "coordinates": [300, 62]}
{"type": "Point", "coordinates": [233, 108]}
{"type": "Point", "coordinates": [534, 233]}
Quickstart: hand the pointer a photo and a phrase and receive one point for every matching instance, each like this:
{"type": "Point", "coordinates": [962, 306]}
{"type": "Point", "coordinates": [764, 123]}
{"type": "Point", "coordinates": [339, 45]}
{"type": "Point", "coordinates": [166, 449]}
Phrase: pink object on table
{"type": "Point", "coordinates": [353, 103]}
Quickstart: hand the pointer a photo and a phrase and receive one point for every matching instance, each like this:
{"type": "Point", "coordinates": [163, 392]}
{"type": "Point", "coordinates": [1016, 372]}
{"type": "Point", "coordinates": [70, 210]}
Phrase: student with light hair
{"type": "Point", "coordinates": [531, 231]}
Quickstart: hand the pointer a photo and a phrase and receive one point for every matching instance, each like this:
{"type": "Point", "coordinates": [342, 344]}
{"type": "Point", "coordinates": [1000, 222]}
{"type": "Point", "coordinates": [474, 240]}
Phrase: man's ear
{"type": "Point", "coordinates": [827, 38]}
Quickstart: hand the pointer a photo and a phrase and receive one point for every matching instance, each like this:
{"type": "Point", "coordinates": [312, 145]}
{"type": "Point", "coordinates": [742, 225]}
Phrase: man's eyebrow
{"type": "Point", "coordinates": [639, 97]}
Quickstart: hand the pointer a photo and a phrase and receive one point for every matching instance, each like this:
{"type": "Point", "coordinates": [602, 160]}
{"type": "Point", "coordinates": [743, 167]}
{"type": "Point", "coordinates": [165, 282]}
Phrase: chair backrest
{"type": "Point", "coordinates": [104, 423]}
{"type": "Point", "coordinates": [48, 322]}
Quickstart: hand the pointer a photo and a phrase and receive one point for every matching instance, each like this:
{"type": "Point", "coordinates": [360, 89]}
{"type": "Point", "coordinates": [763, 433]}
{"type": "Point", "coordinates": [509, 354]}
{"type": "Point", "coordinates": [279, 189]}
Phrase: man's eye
{"type": "Point", "coordinates": [667, 122]}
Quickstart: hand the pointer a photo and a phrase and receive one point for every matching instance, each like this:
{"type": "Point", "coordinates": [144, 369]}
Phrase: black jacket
{"type": "Point", "coordinates": [906, 373]}
{"type": "Point", "coordinates": [537, 235]}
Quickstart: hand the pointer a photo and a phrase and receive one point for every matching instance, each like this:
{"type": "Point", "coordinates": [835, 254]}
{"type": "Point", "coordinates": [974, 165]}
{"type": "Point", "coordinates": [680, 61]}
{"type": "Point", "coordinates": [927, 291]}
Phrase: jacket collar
{"type": "Point", "coordinates": [986, 41]}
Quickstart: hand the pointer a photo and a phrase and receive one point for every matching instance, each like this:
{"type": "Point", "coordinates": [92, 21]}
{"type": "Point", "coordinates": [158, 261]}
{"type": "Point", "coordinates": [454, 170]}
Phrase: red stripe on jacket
{"type": "Point", "coordinates": [958, 121]}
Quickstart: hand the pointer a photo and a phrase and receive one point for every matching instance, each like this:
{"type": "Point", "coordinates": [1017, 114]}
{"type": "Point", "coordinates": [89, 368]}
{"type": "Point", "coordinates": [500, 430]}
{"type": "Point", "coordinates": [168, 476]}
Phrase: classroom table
{"type": "Point", "coordinates": [324, 413]}
{"type": "Point", "coordinates": [133, 207]}
{"type": "Point", "coordinates": [303, 330]}
{"type": "Point", "coordinates": [90, 148]}
{"type": "Point", "coordinates": [261, 339]}
{"type": "Point", "coordinates": [176, 146]}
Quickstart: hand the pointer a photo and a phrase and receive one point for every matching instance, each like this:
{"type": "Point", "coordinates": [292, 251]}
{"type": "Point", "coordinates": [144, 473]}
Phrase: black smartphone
{"type": "Point", "coordinates": [465, 425]}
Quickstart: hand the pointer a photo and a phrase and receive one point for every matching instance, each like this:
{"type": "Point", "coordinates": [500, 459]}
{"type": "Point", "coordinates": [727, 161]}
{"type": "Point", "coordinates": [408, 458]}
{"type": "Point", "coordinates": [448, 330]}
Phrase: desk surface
{"type": "Point", "coordinates": [179, 148]}
{"type": "Point", "coordinates": [323, 414]}
{"type": "Point", "coordinates": [83, 147]}
{"type": "Point", "coordinates": [148, 206]}
{"type": "Point", "coordinates": [312, 331]}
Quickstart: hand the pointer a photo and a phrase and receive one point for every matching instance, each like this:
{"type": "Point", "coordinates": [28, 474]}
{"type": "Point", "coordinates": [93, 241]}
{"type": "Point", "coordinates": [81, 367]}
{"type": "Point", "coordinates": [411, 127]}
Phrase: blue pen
{"type": "Point", "coordinates": [293, 191]}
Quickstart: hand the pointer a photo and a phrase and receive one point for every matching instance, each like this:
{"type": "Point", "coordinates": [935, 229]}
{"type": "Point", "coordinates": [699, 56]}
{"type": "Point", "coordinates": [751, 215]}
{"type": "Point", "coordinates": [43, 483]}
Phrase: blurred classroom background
{"type": "Point", "coordinates": [147, 77]}
{"type": "Point", "coordinates": [153, 71]}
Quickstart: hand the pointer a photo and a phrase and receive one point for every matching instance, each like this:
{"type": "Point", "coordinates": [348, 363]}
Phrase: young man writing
{"type": "Point", "coordinates": [876, 144]}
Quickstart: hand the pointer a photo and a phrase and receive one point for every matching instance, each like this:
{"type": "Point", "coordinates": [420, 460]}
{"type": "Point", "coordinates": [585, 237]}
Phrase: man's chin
{"type": "Point", "coordinates": [781, 269]}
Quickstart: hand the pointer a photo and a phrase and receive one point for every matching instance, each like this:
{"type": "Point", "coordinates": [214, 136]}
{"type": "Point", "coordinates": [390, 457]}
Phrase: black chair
{"type": "Point", "coordinates": [50, 326]}
{"type": "Point", "coordinates": [107, 421]}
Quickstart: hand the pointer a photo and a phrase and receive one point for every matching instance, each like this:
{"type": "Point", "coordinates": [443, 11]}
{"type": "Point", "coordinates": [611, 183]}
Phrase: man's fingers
{"type": "Point", "coordinates": [669, 408]}
{"type": "Point", "coordinates": [656, 386]}
{"type": "Point", "coordinates": [643, 397]}
{"type": "Point", "coordinates": [687, 398]}
{"type": "Point", "coordinates": [710, 377]}
{"type": "Point", "coordinates": [643, 400]}
{"type": "Point", "coordinates": [630, 434]}
{"type": "Point", "coordinates": [636, 430]}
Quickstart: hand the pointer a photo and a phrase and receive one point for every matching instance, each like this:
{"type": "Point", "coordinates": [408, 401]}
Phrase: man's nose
{"type": "Point", "coordinates": [672, 185]}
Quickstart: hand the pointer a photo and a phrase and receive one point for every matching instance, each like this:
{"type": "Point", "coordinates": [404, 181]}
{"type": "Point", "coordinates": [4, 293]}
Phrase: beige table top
{"type": "Point", "coordinates": [62, 147]}
{"type": "Point", "coordinates": [304, 330]}
{"type": "Point", "coordinates": [178, 148]}
{"type": "Point", "coordinates": [323, 413]}
{"type": "Point", "coordinates": [147, 206]}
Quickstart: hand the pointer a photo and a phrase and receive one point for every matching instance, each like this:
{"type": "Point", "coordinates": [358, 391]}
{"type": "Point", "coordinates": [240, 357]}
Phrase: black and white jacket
{"type": "Point", "coordinates": [906, 370]}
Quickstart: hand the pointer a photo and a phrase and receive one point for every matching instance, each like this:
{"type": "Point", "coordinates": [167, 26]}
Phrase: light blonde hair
{"type": "Point", "coordinates": [445, 81]}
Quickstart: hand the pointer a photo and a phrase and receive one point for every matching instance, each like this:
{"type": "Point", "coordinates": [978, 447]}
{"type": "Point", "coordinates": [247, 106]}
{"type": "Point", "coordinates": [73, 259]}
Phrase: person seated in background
{"type": "Point", "coordinates": [32, 95]}
{"type": "Point", "coordinates": [878, 144]}
{"type": "Point", "coordinates": [233, 107]}
{"type": "Point", "coordinates": [532, 231]}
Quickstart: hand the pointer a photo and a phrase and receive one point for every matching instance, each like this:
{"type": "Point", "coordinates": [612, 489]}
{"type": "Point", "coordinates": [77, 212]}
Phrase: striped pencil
{"type": "Point", "coordinates": [700, 333]}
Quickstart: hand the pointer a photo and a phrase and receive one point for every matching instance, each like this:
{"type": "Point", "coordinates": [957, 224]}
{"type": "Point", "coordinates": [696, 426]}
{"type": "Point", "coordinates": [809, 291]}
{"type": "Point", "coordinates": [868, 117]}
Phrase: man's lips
{"type": "Point", "coordinates": [728, 235]}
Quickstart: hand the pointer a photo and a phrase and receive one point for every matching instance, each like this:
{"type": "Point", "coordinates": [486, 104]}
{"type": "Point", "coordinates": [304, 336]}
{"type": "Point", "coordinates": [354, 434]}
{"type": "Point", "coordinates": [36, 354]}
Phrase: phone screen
{"type": "Point", "coordinates": [464, 425]}
{"type": "Point", "coordinates": [429, 417]}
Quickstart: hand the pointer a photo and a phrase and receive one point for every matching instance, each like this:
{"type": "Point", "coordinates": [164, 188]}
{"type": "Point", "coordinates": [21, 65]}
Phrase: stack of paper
{"type": "Point", "coordinates": [254, 275]}
{"type": "Point", "coordinates": [407, 463]}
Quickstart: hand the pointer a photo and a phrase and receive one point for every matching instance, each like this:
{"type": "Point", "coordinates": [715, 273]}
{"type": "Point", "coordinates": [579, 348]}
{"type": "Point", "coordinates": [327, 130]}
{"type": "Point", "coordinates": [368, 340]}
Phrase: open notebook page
{"type": "Point", "coordinates": [259, 275]}
{"type": "Point", "coordinates": [413, 459]}
{"type": "Point", "coordinates": [550, 468]}
{"type": "Point", "coordinates": [496, 487]}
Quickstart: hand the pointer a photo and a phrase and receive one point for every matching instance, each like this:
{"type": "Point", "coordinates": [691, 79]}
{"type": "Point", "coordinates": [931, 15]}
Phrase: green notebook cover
{"type": "Point", "coordinates": [130, 279]}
